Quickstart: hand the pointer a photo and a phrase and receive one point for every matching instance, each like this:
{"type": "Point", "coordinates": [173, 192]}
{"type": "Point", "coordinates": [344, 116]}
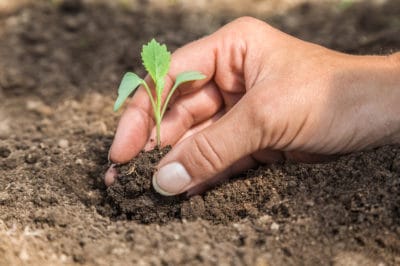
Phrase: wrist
{"type": "Point", "coordinates": [387, 82]}
{"type": "Point", "coordinates": [374, 82]}
{"type": "Point", "coordinates": [395, 60]}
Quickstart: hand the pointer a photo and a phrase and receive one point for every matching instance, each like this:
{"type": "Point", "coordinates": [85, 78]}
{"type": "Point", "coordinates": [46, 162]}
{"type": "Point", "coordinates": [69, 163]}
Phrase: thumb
{"type": "Point", "coordinates": [204, 155]}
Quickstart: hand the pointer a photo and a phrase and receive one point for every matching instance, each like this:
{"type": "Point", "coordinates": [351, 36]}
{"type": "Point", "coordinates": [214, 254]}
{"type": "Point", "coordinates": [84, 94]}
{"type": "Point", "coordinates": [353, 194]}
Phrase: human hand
{"type": "Point", "coordinates": [268, 97]}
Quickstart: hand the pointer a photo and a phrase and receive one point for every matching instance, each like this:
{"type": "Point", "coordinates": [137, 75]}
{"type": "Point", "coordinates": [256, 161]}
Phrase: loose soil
{"type": "Point", "coordinates": [60, 64]}
{"type": "Point", "coordinates": [133, 196]}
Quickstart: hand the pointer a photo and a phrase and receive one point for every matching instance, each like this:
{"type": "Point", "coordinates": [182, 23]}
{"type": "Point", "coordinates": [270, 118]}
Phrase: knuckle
{"type": "Point", "coordinates": [186, 115]}
{"type": "Point", "coordinates": [206, 154]}
{"type": "Point", "coordinates": [249, 25]}
{"type": "Point", "coordinates": [258, 111]}
{"type": "Point", "coordinates": [242, 27]}
{"type": "Point", "coordinates": [246, 20]}
{"type": "Point", "coordinates": [262, 116]}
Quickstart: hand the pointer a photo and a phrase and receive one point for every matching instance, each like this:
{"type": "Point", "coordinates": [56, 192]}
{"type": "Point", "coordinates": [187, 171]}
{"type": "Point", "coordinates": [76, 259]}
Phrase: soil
{"type": "Point", "coordinates": [133, 197]}
{"type": "Point", "coordinates": [60, 64]}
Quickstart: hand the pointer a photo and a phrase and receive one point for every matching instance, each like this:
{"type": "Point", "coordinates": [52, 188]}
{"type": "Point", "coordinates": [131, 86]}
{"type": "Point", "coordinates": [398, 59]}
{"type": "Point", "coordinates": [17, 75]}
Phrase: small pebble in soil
{"type": "Point", "coordinates": [63, 143]}
{"type": "Point", "coordinates": [31, 158]}
{"type": "Point", "coordinates": [265, 219]}
{"type": "Point", "coordinates": [39, 108]}
{"type": "Point", "coordinates": [274, 227]}
{"type": "Point", "coordinates": [4, 152]}
{"type": "Point", "coordinates": [97, 128]}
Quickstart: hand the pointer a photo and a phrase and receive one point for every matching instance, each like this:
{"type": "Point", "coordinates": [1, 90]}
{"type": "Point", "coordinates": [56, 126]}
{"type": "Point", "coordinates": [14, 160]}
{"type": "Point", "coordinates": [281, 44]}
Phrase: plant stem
{"type": "Point", "coordinates": [156, 104]}
{"type": "Point", "coordinates": [164, 109]}
{"type": "Point", "coordinates": [158, 131]}
{"type": "Point", "coordinates": [153, 104]}
{"type": "Point", "coordinates": [158, 116]}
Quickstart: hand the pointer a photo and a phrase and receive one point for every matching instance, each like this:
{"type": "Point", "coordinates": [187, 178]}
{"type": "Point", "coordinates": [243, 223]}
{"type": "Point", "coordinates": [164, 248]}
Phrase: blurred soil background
{"type": "Point", "coordinates": [60, 64]}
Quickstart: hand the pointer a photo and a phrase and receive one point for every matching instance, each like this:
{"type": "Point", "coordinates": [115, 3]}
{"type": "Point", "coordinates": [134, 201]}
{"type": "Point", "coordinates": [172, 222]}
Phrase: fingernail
{"type": "Point", "coordinates": [171, 179]}
{"type": "Point", "coordinates": [110, 175]}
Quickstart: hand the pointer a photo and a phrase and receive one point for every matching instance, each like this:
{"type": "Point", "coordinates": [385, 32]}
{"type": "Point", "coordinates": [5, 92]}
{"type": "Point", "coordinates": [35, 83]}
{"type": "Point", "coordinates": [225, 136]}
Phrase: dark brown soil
{"type": "Point", "coordinates": [60, 65]}
{"type": "Point", "coordinates": [133, 197]}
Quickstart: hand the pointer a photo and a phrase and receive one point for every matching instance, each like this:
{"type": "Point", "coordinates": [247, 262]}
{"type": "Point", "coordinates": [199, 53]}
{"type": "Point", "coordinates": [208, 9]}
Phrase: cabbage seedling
{"type": "Point", "coordinates": [156, 60]}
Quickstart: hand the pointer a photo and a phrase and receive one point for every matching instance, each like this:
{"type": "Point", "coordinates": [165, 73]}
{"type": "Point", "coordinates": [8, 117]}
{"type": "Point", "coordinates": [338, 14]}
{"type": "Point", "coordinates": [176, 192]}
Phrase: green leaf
{"type": "Point", "coordinates": [182, 78]}
{"type": "Point", "coordinates": [188, 76]}
{"type": "Point", "coordinates": [129, 83]}
{"type": "Point", "coordinates": [156, 59]}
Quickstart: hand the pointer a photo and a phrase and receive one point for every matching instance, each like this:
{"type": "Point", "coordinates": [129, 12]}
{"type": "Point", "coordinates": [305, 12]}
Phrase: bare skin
{"type": "Point", "coordinates": [268, 97]}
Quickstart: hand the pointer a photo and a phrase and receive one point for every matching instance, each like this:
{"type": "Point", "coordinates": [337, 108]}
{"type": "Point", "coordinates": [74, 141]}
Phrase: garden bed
{"type": "Point", "coordinates": [59, 69]}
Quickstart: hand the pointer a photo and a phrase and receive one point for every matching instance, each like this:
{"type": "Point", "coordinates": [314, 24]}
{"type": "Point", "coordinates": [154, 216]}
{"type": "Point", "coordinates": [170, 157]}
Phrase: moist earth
{"type": "Point", "coordinates": [133, 196]}
{"type": "Point", "coordinates": [61, 62]}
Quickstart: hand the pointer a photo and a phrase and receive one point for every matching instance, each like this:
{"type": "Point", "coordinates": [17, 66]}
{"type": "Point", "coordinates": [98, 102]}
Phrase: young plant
{"type": "Point", "coordinates": [156, 60]}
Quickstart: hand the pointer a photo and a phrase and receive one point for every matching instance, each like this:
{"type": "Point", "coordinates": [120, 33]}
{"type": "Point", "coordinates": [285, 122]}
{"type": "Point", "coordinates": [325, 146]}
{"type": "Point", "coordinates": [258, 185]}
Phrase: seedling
{"type": "Point", "coordinates": [156, 60]}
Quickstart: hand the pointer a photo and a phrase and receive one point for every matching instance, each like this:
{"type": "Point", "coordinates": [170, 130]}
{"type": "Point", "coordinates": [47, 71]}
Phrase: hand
{"type": "Point", "coordinates": [268, 97]}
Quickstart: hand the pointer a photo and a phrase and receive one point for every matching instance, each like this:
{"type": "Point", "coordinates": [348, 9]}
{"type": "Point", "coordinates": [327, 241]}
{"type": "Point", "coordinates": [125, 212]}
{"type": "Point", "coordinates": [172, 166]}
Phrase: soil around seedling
{"type": "Point", "coordinates": [133, 196]}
